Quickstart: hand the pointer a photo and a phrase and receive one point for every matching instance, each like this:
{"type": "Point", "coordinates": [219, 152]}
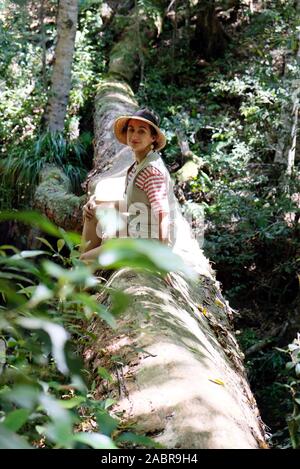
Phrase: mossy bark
{"type": "Point", "coordinates": [178, 371]}
{"type": "Point", "coordinates": [54, 198]}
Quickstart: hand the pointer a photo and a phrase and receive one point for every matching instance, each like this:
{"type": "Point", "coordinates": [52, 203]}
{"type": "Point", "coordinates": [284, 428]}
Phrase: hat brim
{"type": "Point", "coordinates": [121, 136]}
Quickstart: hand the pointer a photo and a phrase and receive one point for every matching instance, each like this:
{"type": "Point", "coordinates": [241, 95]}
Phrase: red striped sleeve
{"type": "Point", "coordinates": [152, 181]}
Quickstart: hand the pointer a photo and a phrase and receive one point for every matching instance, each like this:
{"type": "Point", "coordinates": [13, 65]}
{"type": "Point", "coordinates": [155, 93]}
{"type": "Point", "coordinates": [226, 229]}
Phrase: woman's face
{"type": "Point", "coordinates": [139, 135]}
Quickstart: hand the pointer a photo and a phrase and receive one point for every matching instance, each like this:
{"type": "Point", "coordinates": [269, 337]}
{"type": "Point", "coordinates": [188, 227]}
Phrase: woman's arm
{"type": "Point", "coordinates": [163, 226]}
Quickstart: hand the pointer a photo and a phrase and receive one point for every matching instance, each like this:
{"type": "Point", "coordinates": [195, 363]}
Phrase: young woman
{"type": "Point", "coordinates": [150, 200]}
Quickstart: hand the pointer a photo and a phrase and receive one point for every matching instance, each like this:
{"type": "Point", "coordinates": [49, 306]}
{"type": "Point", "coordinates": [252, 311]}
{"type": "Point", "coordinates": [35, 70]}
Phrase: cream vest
{"type": "Point", "coordinates": [142, 222]}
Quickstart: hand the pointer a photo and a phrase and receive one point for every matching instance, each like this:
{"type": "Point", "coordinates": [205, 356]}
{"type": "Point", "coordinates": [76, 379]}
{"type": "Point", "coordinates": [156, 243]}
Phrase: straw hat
{"type": "Point", "coordinates": [143, 115]}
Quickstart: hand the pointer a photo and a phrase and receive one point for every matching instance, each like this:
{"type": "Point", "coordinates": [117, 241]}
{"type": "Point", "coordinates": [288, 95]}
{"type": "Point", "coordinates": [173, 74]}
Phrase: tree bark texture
{"type": "Point", "coordinates": [61, 76]}
{"type": "Point", "coordinates": [178, 371]}
{"type": "Point", "coordinates": [54, 198]}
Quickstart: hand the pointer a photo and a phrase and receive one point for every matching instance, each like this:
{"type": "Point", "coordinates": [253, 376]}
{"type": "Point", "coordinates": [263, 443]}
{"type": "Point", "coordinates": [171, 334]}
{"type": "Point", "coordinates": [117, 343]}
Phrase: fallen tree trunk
{"type": "Point", "coordinates": [179, 374]}
{"type": "Point", "coordinates": [55, 199]}
{"type": "Point", "coordinates": [115, 97]}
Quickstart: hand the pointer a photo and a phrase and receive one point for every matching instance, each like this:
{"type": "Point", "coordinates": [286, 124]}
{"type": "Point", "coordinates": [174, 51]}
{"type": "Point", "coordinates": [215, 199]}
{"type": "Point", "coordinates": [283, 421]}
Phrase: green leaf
{"type": "Point", "coordinates": [77, 275]}
{"type": "Point", "coordinates": [20, 264]}
{"type": "Point", "coordinates": [106, 423]}
{"type": "Point", "coordinates": [16, 419]}
{"type": "Point", "coordinates": [32, 218]}
{"type": "Point", "coordinates": [54, 270]}
{"type": "Point", "coordinates": [104, 374]}
{"type": "Point", "coordinates": [8, 246]}
{"type": "Point", "coordinates": [138, 439]}
{"type": "Point", "coordinates": [108, 403]}
{"type": "Point", "coordinates": [72, 239]}
{"type": "Point", "coordinates": [60, 244]}
{"type": "Point", "coordinates": [95, 440]}
{"type": "Point", "coordinates": [58, 335]}
{"type": "Point", "coordinates": [12, 276]}
{"type": "Point", "coordinates": [28, 291]}
{"type": "Point", "coordinates": [141, 254]}
{"type": "Point", "coordinates": [40, 294]}
{"type": "Point", "coordinates": [206, 178]}
{"type": "Point", "coordinates": [92, 306]}
{"type": "Point", "coordinates": [44, 241]}
{"type": "Point", "coordinates": [107, 317]}
{"type": "Point", "coordinates": [26, 254]}
{"type": "Point", "coordinates": [9, 440]}
{"type": "Point", "coordinates": [22, 395]}
{"type": "Point", "coordinates": [60, 430]}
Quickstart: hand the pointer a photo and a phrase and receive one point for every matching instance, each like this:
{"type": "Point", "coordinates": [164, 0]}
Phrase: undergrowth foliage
{"type": "Point", "coordinates": [24, 165]}
{"type": "Point", "coordinates": [25, 147]}
{"type": "Point", "coordinates": [293, 385]}
{"type": "Point", "coordinates": [46, 394]}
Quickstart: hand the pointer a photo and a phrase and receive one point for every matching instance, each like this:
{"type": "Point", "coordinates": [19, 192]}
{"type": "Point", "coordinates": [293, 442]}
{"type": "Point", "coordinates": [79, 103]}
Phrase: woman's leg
{"type": "Point", "coordinates": [90, 239]}
{"type": "Point", "coordinates": [91, 255]}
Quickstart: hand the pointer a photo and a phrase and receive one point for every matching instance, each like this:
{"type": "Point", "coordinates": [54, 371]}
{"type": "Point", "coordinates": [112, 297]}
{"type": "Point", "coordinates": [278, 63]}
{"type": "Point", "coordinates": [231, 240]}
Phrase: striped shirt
{"type": "Point", "coordinates": [152, 182]}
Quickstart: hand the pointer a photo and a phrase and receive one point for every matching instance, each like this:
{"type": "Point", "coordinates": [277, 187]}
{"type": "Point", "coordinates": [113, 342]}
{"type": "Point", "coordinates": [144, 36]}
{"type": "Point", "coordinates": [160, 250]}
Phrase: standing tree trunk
{"type": "Point", "coordinates": [43, 40]}
{"type": "Point", "coordinates": [53, 196]}
{"type": "Point", "coordinates": [61, 77]}
{"type": "Point", "coordinates": [210, 38]}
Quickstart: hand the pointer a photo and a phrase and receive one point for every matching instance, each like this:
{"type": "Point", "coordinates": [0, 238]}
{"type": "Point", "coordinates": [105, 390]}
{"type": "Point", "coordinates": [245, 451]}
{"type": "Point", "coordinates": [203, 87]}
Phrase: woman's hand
{"type": "Point", "coordinates": [89, 209]}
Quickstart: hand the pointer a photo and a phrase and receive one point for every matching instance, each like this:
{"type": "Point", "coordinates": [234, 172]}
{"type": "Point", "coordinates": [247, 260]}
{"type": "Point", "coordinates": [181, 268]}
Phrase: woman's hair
{"type": "Point", "coordinates": [152, 129]}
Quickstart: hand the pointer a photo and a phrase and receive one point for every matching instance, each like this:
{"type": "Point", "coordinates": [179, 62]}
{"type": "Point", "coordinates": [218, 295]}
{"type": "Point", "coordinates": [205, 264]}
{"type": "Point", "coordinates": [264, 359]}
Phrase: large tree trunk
{"type": "Point", "coordinates": [179, 372]}
{"type": "Point", "coordinates": [210, 37]}
{"type": "Point", "coordinates": [61, 76]}
{"type": "Point", "coordinates": [179, 375]}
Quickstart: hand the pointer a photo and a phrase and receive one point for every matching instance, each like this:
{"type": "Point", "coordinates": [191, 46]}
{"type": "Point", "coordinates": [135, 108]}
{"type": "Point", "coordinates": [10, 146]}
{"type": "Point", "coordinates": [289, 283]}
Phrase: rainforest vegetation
{"type": "Point", "coordinates": [224, 77]}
